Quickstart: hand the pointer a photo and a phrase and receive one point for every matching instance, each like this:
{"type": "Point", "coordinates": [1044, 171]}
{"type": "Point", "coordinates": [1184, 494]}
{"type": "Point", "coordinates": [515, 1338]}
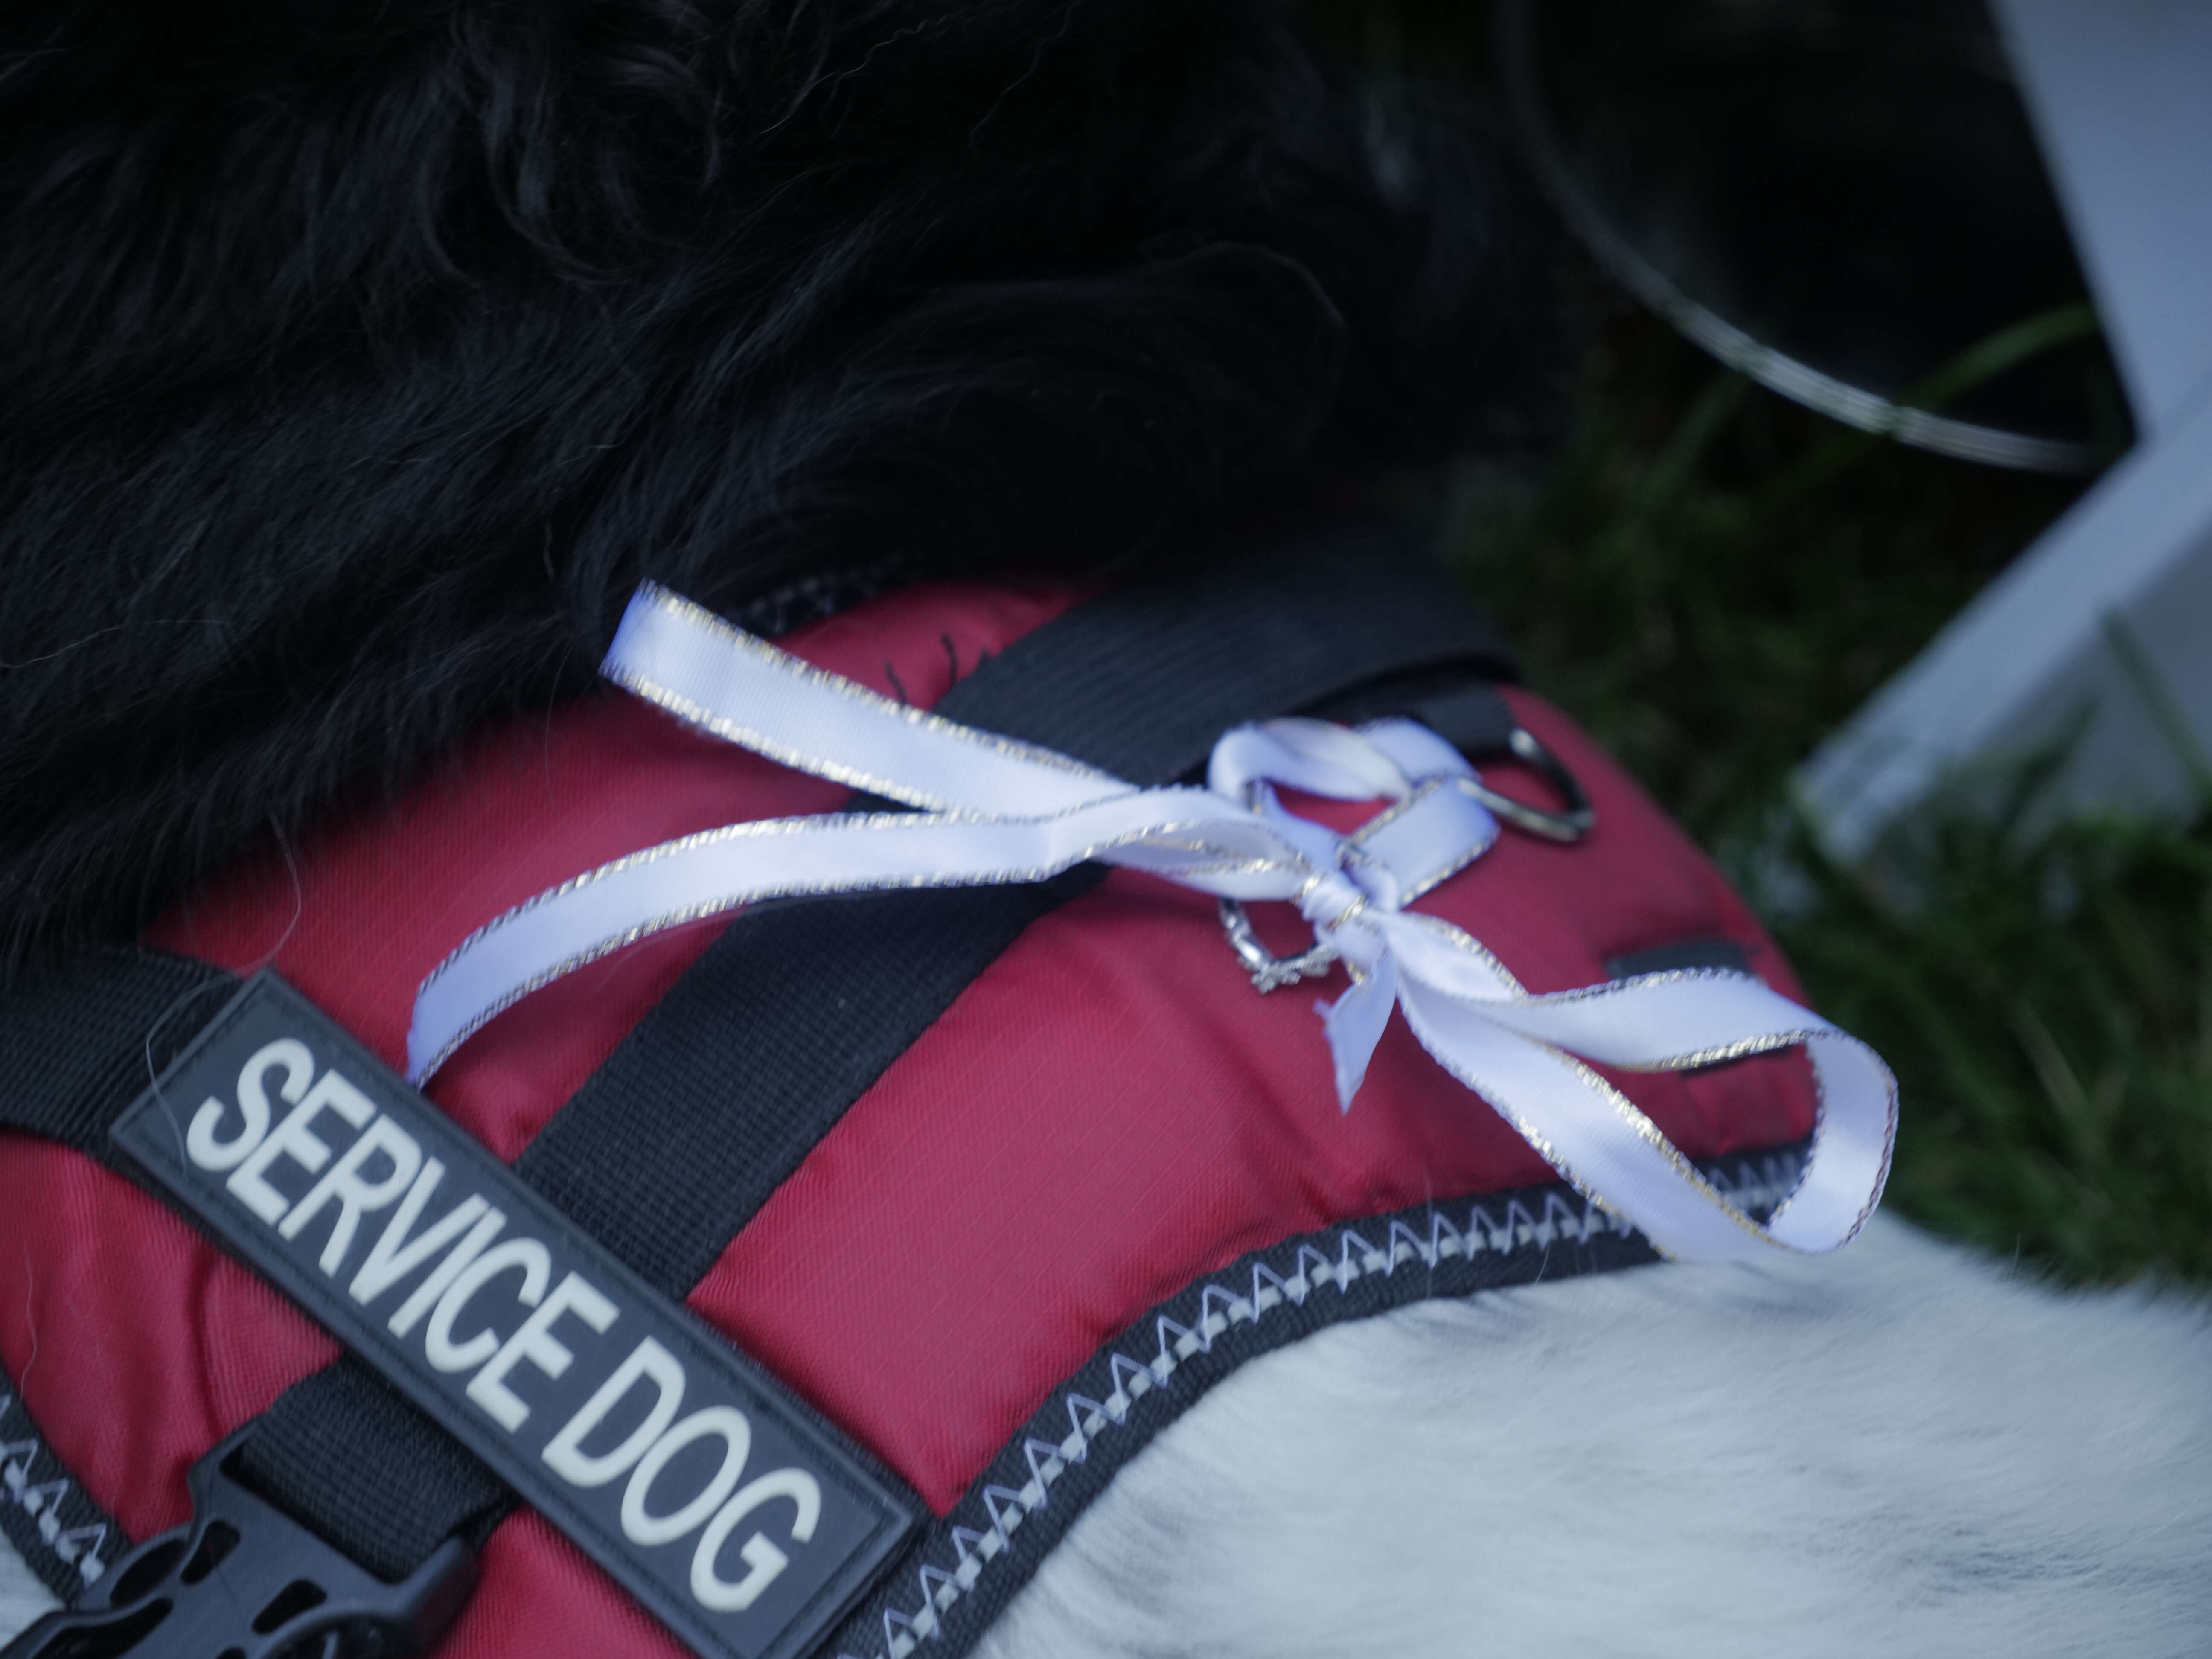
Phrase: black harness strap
{"type": "Point", "coordinates": [81, 1042]}
{"type": "Point", "coordinates": [1141, 681]}
{"type": "Point", "coordinates": [754, 1054]}
{"type": "Point", "coordinates": [706, 1108]}
{"type": "Point", "coordinates": [77, 1045]}
{"type": "Point", "coordinates": [757, 1051]}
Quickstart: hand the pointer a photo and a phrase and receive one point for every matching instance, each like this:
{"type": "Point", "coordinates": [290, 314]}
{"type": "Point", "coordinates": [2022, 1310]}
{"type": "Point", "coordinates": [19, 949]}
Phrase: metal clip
{"type": "Point", "coordinates": [243, 1580]}
{"type": "Point", "coordinates": [1270, 971]}
{"type": "Point", "coordinates": [1572, 824]}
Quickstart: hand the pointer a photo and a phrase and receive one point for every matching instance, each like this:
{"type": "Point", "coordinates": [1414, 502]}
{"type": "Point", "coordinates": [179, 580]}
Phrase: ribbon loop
{"type": "Point", "coordinates": [995, 811]}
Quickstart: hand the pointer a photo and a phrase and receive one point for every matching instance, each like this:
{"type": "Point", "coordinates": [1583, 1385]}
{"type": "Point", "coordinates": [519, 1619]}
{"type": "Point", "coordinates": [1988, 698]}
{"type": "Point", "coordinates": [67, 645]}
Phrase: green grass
{"type": "Point", "coordinates": [2048, 1010]}
{"type": "Point", "coordinates": [1710, 579]}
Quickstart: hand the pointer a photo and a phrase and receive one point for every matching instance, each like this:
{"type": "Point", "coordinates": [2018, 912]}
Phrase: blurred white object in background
{"type": "Point", "coordinates": [2106, 623]}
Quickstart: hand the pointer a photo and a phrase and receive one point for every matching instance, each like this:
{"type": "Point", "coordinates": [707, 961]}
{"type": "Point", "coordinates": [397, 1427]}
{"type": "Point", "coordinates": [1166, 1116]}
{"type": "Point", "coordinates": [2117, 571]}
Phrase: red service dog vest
{"type": "Point", "coordinates": [984, 1186]}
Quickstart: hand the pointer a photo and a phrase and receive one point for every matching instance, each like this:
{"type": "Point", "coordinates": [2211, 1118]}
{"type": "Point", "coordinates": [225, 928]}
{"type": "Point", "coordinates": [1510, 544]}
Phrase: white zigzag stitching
{"type": "Point", "coordinates": [80, 1546]}
{"type": "Point", "coordinates": [1753, 1186]}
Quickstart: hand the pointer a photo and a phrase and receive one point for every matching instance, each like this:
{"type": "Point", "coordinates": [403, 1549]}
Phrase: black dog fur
{"type": "Point", "coordinates": [358, 356]}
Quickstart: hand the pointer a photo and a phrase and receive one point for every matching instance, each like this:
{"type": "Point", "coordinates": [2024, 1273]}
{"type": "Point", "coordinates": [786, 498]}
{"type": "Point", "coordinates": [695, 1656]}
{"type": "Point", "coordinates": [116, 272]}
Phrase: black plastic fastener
{"type": "Point", "coordinates": [243, 1580]}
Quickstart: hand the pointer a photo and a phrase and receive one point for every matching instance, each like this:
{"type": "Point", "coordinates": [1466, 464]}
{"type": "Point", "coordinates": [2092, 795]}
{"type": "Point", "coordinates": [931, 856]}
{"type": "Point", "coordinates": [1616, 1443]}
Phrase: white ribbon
{"type": "Point", "coordinates": [997, 810]}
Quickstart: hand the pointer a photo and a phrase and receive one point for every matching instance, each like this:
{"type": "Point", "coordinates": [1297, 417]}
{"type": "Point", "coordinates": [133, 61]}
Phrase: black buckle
{"type": "Point", "coordinates": [243, 1580]}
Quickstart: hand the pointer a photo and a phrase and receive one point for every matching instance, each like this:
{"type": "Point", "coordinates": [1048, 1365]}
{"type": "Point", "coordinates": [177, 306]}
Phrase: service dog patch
{"type": "Point", "coordinates": [684, 1470]}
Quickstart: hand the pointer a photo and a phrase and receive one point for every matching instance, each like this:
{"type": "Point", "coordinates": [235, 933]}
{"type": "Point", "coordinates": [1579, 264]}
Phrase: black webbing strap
{"type": "Point", "coordinates": [669, 1148]}
{"type": "Point", "coordinates": [1141, 681]}
{"type": "Point", "coordinates": [752, 1057]}
{"type": "Point", "coordinates": [82, 1041]}
{"type": "Point", "coordinates": [79, 1044]}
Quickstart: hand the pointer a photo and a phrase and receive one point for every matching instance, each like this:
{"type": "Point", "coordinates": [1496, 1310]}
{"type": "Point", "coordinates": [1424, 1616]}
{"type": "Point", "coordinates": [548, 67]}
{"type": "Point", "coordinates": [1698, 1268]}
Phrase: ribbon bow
{"type": "Point", "coordinates": [995, 811]}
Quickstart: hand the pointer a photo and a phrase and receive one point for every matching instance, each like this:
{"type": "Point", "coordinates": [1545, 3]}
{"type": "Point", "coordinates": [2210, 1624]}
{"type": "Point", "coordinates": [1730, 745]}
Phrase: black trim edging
{"type": "Point", "coordinates": [966, 1568]}
{"type": "Point", "coordinates": [64, 1537]}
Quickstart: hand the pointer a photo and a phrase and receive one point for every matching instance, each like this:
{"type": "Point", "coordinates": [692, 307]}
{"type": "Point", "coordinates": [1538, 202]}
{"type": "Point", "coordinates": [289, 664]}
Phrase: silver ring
{"type": "Point", "coordinates": [1572, 824]}
{"type": "Point", "coordinates": [1270, 972]}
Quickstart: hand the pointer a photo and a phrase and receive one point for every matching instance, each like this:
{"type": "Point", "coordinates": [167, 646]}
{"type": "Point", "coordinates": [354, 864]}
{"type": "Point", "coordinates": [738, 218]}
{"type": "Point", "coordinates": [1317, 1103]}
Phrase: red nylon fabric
{"type": "Point", "coordinates": [1016, 1188]}
{"type": "Point", "coordinates": [136, 1342]}
{"type": "Point", "coordinates": [1108, 1113]}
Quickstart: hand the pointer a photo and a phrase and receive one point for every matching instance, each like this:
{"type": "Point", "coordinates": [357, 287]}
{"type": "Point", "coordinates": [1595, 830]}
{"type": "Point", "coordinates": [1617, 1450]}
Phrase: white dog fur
{"type": "Point", "coordinates": [1900, 1451]}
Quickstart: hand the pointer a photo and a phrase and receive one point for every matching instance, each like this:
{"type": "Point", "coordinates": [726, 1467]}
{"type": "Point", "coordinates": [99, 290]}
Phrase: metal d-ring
{"type": "Point", "coordinates": [1571, 824]}
{"type": "Point", "coordinates": [1270, 971]}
